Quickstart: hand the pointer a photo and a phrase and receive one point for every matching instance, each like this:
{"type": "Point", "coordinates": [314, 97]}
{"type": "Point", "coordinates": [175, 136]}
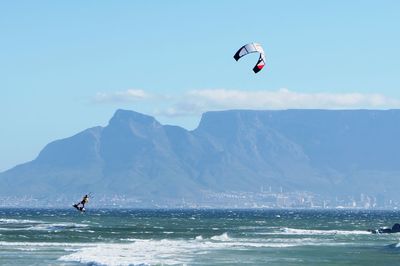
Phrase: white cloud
{"type": "Point", "coordinates": [196, 102]}
{"type": "Point", "coordinates": [129, 95]}
{"type": "Point", "coordinates": [199, 101]}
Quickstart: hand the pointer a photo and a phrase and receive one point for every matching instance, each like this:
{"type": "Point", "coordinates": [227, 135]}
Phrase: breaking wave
{"type": "Point", "coordinates": [223, 237]}
{"type": "Point", "coordinates": [36, 225]}
{"type": "Point", "coordinates": [178, 251]}
{"type": "Point", "coordinates": [18, 221]}
{"type": "Point", "coordinates": [293, 231]}
{"type": "Point", "coordinates": [56, 226]}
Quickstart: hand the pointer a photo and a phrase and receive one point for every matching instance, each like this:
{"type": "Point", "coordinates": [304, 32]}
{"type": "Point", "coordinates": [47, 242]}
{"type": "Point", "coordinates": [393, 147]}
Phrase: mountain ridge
{"type": "Point", "coordinates": [330, 152]}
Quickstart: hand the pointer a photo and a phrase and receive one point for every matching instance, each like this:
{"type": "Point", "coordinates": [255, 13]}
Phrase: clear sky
{"type": "Point", "coordinates": [68, 65]}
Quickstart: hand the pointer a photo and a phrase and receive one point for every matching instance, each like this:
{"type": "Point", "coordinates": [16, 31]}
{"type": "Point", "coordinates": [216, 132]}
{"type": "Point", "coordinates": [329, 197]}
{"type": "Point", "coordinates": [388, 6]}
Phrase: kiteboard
{"type": "Point", "coordinates": [81, 209]}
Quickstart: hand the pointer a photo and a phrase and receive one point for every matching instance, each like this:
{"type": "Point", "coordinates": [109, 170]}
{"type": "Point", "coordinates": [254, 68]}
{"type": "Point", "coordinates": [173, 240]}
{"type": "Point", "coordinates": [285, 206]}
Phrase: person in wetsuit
{"type": "Point", "coordinates": [81, 204]}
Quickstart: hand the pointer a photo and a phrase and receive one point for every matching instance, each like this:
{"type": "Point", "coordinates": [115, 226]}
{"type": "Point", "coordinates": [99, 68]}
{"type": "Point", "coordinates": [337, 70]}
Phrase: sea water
{"type": "Point", "coordinates": [196, 237]}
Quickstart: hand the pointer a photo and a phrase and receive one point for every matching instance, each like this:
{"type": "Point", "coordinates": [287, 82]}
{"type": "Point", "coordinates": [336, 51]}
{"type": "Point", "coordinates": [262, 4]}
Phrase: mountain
{"type": "Point", "coordinates": [328, 152]}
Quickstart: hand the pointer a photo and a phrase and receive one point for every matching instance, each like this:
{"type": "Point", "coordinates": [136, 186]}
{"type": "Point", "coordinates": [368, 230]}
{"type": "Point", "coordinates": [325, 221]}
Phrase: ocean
{"type": "Point", "coordinates": [196, 237]}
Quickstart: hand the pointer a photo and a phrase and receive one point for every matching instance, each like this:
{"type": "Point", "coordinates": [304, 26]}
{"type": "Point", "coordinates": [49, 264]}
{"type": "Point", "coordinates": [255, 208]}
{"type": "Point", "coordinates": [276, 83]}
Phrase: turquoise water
{"type": "Point", "coordinates": [197, 237]}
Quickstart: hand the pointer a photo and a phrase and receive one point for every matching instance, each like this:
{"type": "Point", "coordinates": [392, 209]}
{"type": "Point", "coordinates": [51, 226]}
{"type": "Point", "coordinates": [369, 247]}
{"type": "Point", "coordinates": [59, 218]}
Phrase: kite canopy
{"type": "Point", "coordinates": [252, 48]}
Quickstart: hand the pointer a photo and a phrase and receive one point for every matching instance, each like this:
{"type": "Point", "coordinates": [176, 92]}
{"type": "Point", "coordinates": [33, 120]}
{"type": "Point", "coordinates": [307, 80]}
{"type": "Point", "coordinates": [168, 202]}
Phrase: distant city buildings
{"type": "Point", "coordinates": [265, 198]}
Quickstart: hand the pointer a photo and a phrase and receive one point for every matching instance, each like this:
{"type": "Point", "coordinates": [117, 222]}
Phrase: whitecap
{"type": "Point", "coordinates": [199, 237]}
{"type": "Point", "coordinates": [42, 244]}
{"type": "Point", "coordinates": [19, 221]}
{"type": "Point", "coordinates": [223, 237]}
{"type": "Point", "coordinates": [178, 251]}
{"type": "Point", "coordinates": [158, 227]}
{"type": "Point", "coordinates": [293, 231]}
{"type": "Point", "coordinates": [141, 252]}
{"type": "Point", "coordinates": [56, 227]}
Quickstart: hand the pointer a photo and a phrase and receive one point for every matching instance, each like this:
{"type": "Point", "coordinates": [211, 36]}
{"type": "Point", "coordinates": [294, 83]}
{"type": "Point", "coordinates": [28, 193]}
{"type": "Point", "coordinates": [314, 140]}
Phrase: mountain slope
{"type": "Point", "coordinates": [326, 152]}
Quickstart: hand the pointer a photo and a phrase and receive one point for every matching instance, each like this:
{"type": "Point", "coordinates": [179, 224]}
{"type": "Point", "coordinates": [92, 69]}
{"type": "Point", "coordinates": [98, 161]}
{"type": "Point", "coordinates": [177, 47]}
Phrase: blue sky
{"type": "Point", "coordinates": [68, 65]}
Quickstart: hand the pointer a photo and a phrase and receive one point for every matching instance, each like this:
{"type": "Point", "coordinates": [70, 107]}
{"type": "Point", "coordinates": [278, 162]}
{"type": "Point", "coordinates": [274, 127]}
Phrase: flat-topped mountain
{"type": "Point", "coordinates": [329, 152]}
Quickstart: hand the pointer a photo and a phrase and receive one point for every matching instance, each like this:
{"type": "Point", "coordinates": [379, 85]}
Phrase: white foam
{"type": "Point", "coordinates": [128, 239]}
{"type": "Point", "coordinates": [162, 251]}
{"type": "Point", "coordinates": [27, 249]}
{"type": "Point", "coordinates": [178, 251]}
{"type": "Point", "coordinates": [56, 226]}
{"type": "Point", "coordinates": [18, 221]}
{"type": "Point", "coordinates": [141, 252]}
{"type": "Point", "coordinates": [35, 225]}
{"type": "Point", "coordinates": [223, 237]}
{"type": "Point", "coordinates": [42, 244]}
{"type": "Point", "coordinates": [293, 231]}
{"type": "Point", "coordinates": [158, 227]}
{"type": "Point", "coordinates": [10, 229]}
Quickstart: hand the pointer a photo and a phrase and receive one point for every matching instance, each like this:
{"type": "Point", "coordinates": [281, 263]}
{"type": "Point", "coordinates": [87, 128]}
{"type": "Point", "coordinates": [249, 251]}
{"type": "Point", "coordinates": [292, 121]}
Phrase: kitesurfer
{"type": "Point", "coordinates": [81, 204]}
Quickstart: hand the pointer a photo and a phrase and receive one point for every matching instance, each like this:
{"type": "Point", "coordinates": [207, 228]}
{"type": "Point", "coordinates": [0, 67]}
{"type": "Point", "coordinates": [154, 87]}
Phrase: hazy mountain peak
{"type": "Point", "coordinates": [133, 120]}
{"type": "Point", "coordinates": [336, 151]}
{"type": "Point", "coordinates": [126, 117]}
